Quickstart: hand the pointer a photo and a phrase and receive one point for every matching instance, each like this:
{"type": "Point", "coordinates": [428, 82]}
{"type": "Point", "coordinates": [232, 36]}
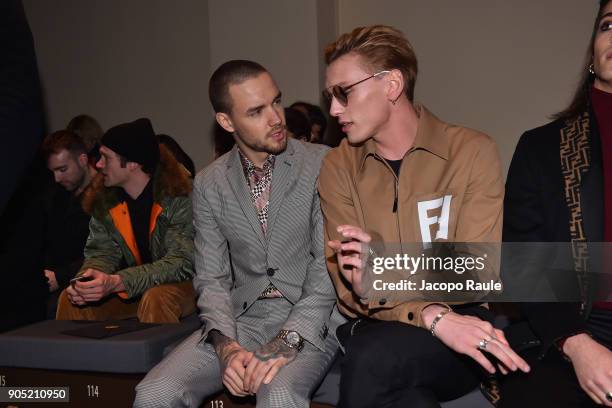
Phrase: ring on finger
{"type": "Point", "coordinates": [609, 396]}
{"type": "Point", "coordinates": [482, 344]}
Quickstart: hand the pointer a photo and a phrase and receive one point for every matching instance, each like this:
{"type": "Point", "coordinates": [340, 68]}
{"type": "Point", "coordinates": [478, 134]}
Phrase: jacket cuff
{"type": "Point", "coordinates": [128, 293]}
{"type": "Point", "coordinates": [226, 330]}
{"type": "Point", "coordinates": [553, 321]}
{"type": "Point", "coordinates": [560, 342]}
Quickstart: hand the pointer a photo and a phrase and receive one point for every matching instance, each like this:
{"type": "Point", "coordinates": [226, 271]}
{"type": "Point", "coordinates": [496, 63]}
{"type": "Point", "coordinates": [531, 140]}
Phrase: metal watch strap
{"type": "Point", "coordinates": [282, 335]}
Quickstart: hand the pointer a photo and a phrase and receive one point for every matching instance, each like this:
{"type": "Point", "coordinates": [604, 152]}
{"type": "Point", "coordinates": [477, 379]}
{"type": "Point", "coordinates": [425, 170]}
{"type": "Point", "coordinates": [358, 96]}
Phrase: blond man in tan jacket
{"type": "Point", "coordinates": [403, 176]}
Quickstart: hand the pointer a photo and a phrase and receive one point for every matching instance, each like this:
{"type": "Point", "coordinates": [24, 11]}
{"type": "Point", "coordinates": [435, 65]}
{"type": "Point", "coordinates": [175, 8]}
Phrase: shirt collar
{"type": "Point", "coordinates": [249, 167]}
{"type": "Point", "coordinates": [431, 137]}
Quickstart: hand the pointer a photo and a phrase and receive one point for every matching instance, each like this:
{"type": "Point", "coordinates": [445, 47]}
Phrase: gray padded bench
{"type": "Point", "coordinates": [41, 345]}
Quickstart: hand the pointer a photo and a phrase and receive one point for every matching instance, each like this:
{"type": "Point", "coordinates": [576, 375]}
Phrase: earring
{"type": "Point", "coordinates": [592, 69]}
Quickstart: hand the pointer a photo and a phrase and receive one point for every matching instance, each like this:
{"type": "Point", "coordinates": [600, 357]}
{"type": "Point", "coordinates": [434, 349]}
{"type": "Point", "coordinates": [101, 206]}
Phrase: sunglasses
{"type": "Point", "coordinates": [340, 92]}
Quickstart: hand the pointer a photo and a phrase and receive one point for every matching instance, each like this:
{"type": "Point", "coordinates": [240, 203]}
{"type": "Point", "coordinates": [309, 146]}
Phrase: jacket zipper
{"type": "Point", "coordinates": [395, 199]}
{"type": "Point", "coordinates": [397, 222]}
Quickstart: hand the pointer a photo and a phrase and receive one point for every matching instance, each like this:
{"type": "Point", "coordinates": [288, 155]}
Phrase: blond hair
{"type": "Point", "coordinates": [382, 48]}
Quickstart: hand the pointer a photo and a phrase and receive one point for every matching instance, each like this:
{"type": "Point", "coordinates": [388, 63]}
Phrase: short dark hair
{"type": "Point", "coordinates": [315, 114]}
{"type": "Point", "coordinates": [87, 128]}
{"type": "Point", "coordinates": [230, 73]}
{"type": "Point", "coordinates": [297, 123]}
{"type": "Point", "coordinates": [63, 140]}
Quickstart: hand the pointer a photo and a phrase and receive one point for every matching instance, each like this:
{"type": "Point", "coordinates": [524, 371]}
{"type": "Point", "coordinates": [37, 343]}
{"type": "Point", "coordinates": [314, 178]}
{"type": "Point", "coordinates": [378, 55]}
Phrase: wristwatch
{"type": "Point", "coordinates": [291, 338]}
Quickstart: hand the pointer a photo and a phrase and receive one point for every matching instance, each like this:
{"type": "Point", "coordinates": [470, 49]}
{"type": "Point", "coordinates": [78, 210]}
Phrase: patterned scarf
{"type": "Point", "coordinates": [575, 162]}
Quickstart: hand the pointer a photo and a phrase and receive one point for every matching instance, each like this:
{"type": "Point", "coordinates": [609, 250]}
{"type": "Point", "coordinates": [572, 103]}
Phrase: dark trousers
{"type": "Point", "coordinates": [552, 381]}
{"type": "Point", "coordinates": [392, 364]}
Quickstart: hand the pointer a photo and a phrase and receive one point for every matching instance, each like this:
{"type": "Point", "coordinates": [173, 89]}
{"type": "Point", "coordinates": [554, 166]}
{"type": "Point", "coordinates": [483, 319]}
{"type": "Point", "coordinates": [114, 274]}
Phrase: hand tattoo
{"type": "Point", "coordinates": [221, 344]}
{"type": "Point", "coordinates": [276, 348]}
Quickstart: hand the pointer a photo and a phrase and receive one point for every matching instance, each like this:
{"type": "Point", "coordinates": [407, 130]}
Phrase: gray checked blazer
{"type": "Point", "coordinates": [235, 262]}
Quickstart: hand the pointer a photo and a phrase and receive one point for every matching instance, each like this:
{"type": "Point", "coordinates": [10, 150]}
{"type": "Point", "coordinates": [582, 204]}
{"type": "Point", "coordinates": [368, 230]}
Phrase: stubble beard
{"type": "Point", "coordinates": [268, 145]}
{"type": "Point", "coordinates": [80, 184]}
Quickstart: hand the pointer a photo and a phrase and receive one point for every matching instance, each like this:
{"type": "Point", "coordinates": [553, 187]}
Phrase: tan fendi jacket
{"type": "Point", "coordinates": [446, 163]}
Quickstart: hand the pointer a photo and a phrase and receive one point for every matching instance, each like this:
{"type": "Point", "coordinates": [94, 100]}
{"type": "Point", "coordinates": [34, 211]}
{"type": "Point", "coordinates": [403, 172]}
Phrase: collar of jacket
{"type": "Point", "coordinates": [120, 215]}
{"type": "Point", "coordinates": [581, 168]}
{"type": "Point", "coordinates": [169, 180]}
{"type": "Point", "coordinates": [431, 136]}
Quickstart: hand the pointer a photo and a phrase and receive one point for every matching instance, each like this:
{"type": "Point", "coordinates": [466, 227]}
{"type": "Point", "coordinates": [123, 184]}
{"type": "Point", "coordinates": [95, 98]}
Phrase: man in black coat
{"type": "Point", "coordinates": [66, 223]}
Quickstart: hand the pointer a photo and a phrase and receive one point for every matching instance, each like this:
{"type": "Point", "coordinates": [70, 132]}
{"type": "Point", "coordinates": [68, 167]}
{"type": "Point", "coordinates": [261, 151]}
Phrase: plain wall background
{"type": "Point", "coordinates": [120, 60]}
{"type": "Point", "coordinates": [497, 66]}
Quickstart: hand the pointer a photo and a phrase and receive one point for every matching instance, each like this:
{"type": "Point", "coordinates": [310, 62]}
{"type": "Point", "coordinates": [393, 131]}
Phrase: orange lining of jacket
{"type": "Point", "coordinates": [121, 218]}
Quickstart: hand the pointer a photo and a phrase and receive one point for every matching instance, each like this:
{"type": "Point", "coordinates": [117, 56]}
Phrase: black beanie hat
{"type": "Point", "coordinates": [136, 141]}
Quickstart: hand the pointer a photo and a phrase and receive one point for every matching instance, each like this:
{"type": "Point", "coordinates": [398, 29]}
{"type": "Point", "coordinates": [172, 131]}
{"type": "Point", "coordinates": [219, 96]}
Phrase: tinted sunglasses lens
{"type": "Point", "coordinates": [340, 95]}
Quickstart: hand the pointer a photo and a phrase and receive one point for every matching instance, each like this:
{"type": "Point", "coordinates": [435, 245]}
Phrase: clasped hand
{"type": "Point", "coordinates": [243, 372]}
{"type": "Point", "coordinates": [102, 284]}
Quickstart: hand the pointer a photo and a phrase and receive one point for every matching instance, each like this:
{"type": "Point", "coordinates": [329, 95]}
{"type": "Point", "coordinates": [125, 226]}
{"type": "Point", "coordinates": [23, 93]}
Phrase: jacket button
{"type": "Point", "coordinates": [244, 305]}
{"type": "Point", "coordinates": [410, 315]}
{"type": "Point", "coordinates": [382, 301]}
{"type": "Point", "coordinates": [270, 272]}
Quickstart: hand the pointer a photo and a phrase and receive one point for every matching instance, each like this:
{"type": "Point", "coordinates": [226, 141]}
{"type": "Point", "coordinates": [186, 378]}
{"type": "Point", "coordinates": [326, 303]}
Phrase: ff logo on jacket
{"type": "Point", "coordinates": [426, 220]}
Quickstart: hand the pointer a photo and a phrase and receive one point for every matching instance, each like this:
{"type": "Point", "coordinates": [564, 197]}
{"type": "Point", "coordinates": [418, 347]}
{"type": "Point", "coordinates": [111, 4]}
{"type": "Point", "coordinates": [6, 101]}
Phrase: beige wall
{"type": "Point", "coordinates": [495, 65]}
{"type": "Point", "coordinates": [279, 34]}
{"type": "Point", "coordinates": [119, 60]}
{"type": "Point", "coordinates": [498, 66]}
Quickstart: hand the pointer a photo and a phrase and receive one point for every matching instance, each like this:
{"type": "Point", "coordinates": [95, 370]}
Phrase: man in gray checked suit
{"type": "Point", "coordinates": [266, 300]}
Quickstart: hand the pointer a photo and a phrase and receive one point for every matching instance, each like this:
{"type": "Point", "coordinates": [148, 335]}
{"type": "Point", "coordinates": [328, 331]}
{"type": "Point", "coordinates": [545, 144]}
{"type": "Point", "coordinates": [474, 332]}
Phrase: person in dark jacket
{"type": "Point", "coordinates": [179, 154]}
{"type": "Point", "coordinates": [139, 253]}
{"type": "Point", "coordinates": [21, 110]}
{"type": "Point", "coordinates": [66, 224]}
{"type": "Point", "coordinates": [559, 189]}
{"type": "Point", "coordinates": [23, 173]}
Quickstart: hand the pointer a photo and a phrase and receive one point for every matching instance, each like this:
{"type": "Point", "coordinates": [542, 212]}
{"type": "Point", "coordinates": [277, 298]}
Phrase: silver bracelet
{"type": "Point", "coordinates": [436, 319]}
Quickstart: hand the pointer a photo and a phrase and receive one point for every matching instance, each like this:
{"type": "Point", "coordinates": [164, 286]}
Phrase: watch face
{"type": "Point", "coordinates": [293, 338]}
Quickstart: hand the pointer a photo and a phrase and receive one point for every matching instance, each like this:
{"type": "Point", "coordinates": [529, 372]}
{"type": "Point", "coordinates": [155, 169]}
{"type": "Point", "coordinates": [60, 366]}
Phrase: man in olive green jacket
{"type": "Point", "coordinates": [139, 253]}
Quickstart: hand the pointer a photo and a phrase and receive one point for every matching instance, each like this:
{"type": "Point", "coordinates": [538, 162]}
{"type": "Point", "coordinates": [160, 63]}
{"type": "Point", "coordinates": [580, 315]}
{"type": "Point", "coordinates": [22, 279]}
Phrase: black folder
{"type": "Point", "coordinates": [102, 330]}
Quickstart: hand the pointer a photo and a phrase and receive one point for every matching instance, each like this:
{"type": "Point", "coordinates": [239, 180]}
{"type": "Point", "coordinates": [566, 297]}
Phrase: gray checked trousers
{"type": "Point", "coordinates": [191, 372]}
